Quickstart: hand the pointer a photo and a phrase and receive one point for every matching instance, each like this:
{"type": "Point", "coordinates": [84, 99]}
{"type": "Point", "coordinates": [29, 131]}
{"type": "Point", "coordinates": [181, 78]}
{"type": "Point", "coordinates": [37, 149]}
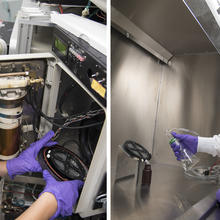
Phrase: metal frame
{"type": "Point", "coordinates": [101, 4]}
{"type": "Point", "coordinates": [51, 90]}
{"type": "Point", "coordinates": [33, 14]}
{"type": "Point", "coordinates": [130, 30]}
{"type": "Point", "coordinates": [200, 208]}
{"type": "Point", "coordinates": [207, 17]}
{"type": "Point", "coordinates": [18, 179]}
{"type": "Point", "coordinates": [97, 168]}
{"type": "Point", "coordinates": [29, 15]}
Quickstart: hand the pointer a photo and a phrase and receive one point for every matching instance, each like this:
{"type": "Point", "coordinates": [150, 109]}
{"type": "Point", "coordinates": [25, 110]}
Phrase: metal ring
{"type": "Point", "coordinates": [10, 105]}
{"type": "Point", "coordinates": [10, 116]}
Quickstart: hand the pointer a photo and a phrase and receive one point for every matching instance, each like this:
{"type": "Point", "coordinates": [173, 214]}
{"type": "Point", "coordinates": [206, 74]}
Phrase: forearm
{"type": "Point", "coordinates": [209, 145]}
{"type": "Point", "coordinates": [42, 209]}
{"type": "Point", "coordinates": [3, 168]}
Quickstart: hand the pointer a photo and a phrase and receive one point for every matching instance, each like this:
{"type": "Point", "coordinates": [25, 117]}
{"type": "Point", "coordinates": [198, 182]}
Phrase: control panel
{"type": "Point", "coordinates": [87, 63]}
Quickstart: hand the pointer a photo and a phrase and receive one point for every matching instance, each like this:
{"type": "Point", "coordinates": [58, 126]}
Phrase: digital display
{"type": "Point", "coordinates": [61, 46]}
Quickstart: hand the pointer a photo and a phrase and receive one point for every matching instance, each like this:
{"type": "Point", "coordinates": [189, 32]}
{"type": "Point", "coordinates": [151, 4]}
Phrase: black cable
{"type": "Point", "coordinates": [50, 119]}
{"type": "Point", "coordinates": [30, 101]}
{"type": "Point", "coordinates": [34, 101]}
{"type": "Point", "coordinates": [69, 127]}
{"type": "Point", "coordinates": [34, 119]}
{"type": "Point", "coordinates": [77, 127]}
{"type": "Point", "coordinates": [71, 141]}
{"type": "Point", "coordinates": [63, 96]}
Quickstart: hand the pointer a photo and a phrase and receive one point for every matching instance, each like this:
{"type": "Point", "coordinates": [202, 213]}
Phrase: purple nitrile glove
{"type": "Point", "coordinates": [65, 192]}
{"type": "Point", "coordinates": [218, 195]}
{"type": "Point", "coordinates": [188, 142]}
{"type": "Point", "coordinates": [26, 161]}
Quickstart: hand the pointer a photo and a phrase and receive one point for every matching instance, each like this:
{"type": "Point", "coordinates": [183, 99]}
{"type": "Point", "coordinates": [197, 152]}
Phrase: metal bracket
{"type": "Point", "coordinates": [131, 31]}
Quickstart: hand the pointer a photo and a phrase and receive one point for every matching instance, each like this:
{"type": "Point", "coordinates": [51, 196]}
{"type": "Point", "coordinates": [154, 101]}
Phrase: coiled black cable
{"type": "Point", "coordinates": [32, 101]}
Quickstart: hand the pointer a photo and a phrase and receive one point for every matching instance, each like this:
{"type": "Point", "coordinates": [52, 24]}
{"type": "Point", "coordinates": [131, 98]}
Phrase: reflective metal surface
{"type": "Point", "coordinates": [9, 141]}
{"type": "Point", "coordinates": [148, 98]}
{"type": "Point", "coordinates": [139, 171]}
{"type": "Point", "coordinates": [204, 208]}
{"type": "Point", "coordinates": [132, 31]}
{"type": "Point", "coordinates": [189, 98]}
{"type": "Point", "coordinates": [27, 179]}
{"type": "Point", "coordinates": [167, 22]}
{"type": "Point", "coordinates": [207, 16]}
{"type": "Point", "coordinates": [169, 196]}
{"type": "Point", "coordinates": [135, 82]}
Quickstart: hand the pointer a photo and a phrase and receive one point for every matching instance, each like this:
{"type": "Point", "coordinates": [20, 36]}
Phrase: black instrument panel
{"type": "Point", "coordinates": [88, 64]}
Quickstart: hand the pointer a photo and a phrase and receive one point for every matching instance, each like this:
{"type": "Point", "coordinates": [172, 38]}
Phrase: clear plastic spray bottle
{"type": "Point", "coordinates": [187, 158]}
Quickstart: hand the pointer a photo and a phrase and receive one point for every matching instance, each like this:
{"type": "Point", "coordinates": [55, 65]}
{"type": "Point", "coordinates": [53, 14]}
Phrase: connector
{"type": "Point", "coordinates": [85, 12]}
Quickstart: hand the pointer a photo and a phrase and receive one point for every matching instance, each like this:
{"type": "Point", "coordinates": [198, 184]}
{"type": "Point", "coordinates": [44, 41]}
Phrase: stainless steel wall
{"type": "Point", "coordinates": [9, 9]}
{"type": "Point", "coordinates": [148, 97]}
{"type": "Point", "coordinates": [166, 22]}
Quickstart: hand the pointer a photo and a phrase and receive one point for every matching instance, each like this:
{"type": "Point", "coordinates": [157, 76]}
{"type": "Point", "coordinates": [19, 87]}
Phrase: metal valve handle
{"type": "Point", "coordinates": [136, 151]}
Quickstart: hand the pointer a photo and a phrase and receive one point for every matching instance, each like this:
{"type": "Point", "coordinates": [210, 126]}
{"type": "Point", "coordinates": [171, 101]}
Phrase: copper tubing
{"type": "Point", "coordinates": [9, 141]}
{"type": "Point", "coordinates": [14, 74]}
{"type": "Point", "coordinates": [32, 81]}
{"type": "Point", "coordinates": [10, 129]}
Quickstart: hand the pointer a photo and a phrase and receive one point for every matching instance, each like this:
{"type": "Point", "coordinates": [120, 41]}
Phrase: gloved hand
{"type": "Point", "coordinates": [218, 195]}
{"type": "Point", "coordinates": [188, 142]}
{"type": "Point", "coordinates": [26, 161]}
{"type": "Point", "coordinates": [65, 192]}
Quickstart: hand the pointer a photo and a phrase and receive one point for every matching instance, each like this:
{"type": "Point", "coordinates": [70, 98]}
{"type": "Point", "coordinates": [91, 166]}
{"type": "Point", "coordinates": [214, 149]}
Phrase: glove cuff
{"type": "Point", "coordinates": [207, 145]}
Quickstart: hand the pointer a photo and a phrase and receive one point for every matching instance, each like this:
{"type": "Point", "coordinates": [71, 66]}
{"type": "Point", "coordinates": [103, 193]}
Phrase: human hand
{"type": "Point", "coordinates": [186, 141]}
{"type": "Point", "coordinates": [65, 192]}
{"type": "Point", "coordinates": [26, 161]}
{"type": "Point", "coordinates": [218, 195]}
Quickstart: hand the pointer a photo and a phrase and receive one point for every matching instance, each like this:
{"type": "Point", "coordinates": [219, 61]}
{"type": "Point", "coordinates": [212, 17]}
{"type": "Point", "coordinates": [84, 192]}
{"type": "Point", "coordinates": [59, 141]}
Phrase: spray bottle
{"type": "Point", "coordinates": [187, 158]}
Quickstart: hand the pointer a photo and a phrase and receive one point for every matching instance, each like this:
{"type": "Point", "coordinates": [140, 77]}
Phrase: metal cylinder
{"type": "Point", "coordinates": [9, 143]}
{"type": "Point", "coordinates": [11, 101]}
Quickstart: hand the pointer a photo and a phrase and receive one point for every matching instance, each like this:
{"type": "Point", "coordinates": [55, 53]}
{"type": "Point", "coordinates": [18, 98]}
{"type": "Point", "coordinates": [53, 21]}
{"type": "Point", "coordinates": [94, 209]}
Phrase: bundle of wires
{"type": "Point", "coordinates": [32, 100]}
